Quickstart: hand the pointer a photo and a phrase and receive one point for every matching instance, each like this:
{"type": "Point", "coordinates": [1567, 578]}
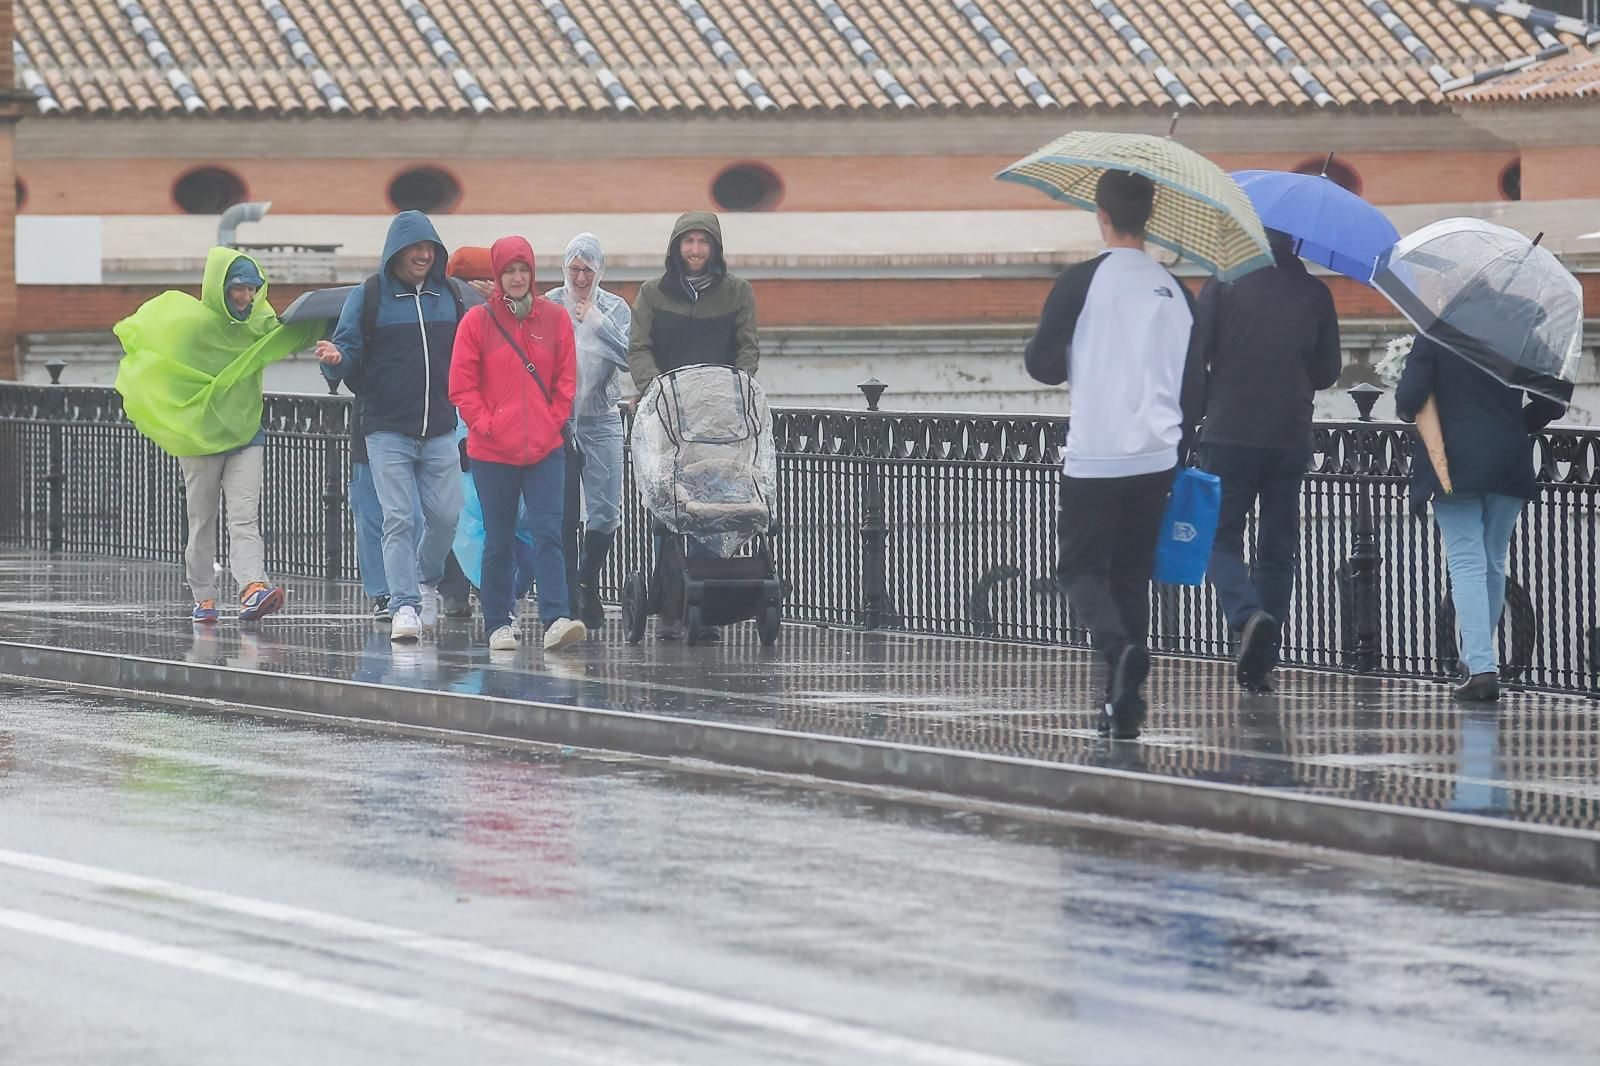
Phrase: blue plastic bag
{"type": "Point", "coordinates": [1188, 528]}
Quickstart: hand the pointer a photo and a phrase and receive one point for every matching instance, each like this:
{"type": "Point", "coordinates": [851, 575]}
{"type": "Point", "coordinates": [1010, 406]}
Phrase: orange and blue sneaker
{"type": "Point", "coordinates": [259, 600]}
{"type": "Point", "coordinates": [204, 613]}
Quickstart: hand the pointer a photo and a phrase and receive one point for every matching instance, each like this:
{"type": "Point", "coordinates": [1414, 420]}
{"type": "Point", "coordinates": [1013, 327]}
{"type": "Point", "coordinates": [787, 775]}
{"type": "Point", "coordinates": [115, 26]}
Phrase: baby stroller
{"type": "Point", "coordinates": [705, 466]}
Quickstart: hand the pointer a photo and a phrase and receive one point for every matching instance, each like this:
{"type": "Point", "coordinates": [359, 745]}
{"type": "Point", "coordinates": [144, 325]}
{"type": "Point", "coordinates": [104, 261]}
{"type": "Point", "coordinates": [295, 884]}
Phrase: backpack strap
{"type": "Point", "coordinates": [369, 305]}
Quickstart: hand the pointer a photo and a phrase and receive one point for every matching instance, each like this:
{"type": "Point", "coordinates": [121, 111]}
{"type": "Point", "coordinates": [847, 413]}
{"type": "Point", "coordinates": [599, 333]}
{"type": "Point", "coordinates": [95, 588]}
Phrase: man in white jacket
{"type": "Point", "coordinates": [1117, 328]}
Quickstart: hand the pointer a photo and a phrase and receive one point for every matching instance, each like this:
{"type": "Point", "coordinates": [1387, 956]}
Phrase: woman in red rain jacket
{"type": "Point", "coordinates": [512, 376]}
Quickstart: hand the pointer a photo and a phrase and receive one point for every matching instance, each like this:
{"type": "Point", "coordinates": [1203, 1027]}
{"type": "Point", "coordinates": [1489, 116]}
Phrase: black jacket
{"type": "Point", "coordinates": [1487, 429]}
{"type": "Point", "coordinates": [1268, 341]}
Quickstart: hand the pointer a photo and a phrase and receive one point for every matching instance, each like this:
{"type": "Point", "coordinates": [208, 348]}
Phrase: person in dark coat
{"type": "Point", "coordinates": [1488, 442]}
{"type": "Point", "coordinates": [1269, 341]}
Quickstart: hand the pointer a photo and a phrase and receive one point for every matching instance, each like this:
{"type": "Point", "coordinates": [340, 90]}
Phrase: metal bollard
{"type": "Point", "coordinates": [1366, 564]}
{"type": "Point", "coordinates": [874, 527]}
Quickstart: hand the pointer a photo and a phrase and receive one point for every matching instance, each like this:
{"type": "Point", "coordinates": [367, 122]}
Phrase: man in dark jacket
{"type": "Point", "coordinates": [397, 331]}
{"type": "Point", "coordinates": [1269, 341]}
{"type": "Point", "coordinates": [695, 312]}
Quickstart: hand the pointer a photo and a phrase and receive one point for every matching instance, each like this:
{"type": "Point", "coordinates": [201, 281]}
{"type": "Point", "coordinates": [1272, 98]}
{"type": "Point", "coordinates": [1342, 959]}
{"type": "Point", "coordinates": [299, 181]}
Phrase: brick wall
{"type": "Point", "coordinates": [855, 183]}
{"type": "Point", "coordinates": [781, 302]}
{"type": "Point", "coordinates": [1561, 174]}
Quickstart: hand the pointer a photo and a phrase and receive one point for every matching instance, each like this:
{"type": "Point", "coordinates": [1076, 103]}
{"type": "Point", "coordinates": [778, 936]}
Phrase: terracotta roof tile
{"type": "Point", "coordinates": [380, 56]}
{"type": "Point", "coordinates": [1574, 76]}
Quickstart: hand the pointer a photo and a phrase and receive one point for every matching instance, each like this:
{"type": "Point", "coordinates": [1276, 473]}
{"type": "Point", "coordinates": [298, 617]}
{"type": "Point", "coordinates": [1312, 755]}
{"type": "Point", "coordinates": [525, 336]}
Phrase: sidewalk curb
{"type": "Point", "coordinates": [1465, 841]}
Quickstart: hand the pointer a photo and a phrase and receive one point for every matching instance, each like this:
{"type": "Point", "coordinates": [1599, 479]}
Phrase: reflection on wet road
{"type": "Point", "coordinates": [1531, 758]}
{"type": "Point", "coordinates": [183, 888]}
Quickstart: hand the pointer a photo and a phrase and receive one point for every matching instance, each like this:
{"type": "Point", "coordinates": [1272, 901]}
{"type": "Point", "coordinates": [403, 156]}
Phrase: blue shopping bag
{"type": "Point", "coordinates": [1188, 528]}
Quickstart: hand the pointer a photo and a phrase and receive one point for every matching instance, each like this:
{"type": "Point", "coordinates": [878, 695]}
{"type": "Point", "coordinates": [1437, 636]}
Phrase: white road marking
{"type": "Point", "coordinates": [402, 1008]}
{"type": "Point", "coordinates": [846, 1035]}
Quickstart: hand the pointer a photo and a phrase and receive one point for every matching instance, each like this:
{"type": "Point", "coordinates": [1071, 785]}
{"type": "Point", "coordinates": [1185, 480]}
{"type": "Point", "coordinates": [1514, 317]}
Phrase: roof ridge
{"type": "Point", "coordinates": [1408, 40]}
{"type": "Point", "coordinates": [447, 55]}
{"type": "Point", "coordinates": [1144, 53]}
{"type": "Point", "coordinates": [157, 49]}
{"type": "Point", "coordinates": [857, 41]}
{"type": "Point", "coordinates": [589, 56]}
{"type": "Point", "coordinates": [32, 80]}
{"type": "Point", "coordinates": [1005, 52]}
{"type": "Point", "coordinates": [707, 28]}
{"type": "Point", "coordinates": [1282, 52]}
{"type": "Point", "coordinates": [1538, 18]}
{"type": "Point", "coordinates": [289, 30]}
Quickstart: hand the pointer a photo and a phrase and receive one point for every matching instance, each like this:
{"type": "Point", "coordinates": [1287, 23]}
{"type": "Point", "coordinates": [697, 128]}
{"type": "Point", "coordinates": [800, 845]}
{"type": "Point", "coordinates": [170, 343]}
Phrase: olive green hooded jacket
{"type": "Point", "coordinates": [675, 324]}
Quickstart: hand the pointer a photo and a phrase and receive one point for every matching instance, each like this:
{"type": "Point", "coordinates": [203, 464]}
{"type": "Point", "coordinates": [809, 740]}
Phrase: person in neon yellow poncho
{"type": "Point", "coordinates": [191, 381]}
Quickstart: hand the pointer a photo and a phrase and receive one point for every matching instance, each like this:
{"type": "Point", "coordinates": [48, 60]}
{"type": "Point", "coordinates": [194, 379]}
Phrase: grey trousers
{"type": "Point", "coordinates": [208, 480]}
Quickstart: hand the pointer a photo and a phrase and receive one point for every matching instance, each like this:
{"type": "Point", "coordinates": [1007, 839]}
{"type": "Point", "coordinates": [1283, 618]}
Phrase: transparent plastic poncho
{"type": "Point", "coordinates": [703, 456]}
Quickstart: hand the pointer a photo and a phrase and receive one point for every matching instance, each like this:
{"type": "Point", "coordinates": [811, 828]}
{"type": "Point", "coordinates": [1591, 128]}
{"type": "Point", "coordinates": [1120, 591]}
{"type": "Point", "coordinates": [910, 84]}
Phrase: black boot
{"type": "Point", "coordinates": [1484, 687]}
{"type": "Point", "coordinates": [592, 559]}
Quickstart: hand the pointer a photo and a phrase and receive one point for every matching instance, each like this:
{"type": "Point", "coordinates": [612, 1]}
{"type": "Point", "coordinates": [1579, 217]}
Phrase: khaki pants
{"type": "Point", "coordinates": [207, 481]}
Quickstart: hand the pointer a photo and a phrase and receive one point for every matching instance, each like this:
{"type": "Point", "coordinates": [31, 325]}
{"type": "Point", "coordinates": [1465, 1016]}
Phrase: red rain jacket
{"type": "Point", "coordinates": [509, 418]}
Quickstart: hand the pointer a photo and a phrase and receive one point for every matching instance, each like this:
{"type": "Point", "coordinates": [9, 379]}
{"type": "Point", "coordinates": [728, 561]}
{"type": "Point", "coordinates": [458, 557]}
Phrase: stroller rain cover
{"type": "Point", "coordinates": [703, 456]}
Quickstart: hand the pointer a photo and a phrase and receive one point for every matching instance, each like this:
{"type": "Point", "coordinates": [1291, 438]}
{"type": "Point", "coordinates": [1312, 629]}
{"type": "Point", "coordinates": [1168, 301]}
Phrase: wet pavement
{"type": "Point", "coordinates": [185, 888]}
{"type": "Point", "coordinates": [1533, 757]}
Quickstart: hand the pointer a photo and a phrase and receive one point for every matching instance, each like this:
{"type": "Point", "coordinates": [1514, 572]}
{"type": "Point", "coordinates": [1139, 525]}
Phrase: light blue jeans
{"type": "Point", "coordinates": [412, 472]}
{"type": "Point", "coordinates": [368, 515]}
{"type": "Point", "coordinates": [599, 441]}
{"type": "Point", "coordinates": [1477, 528]}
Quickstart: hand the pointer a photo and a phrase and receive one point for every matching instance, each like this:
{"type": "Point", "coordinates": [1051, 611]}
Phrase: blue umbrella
{"type": "Point", "coordinates": [1334, 227]}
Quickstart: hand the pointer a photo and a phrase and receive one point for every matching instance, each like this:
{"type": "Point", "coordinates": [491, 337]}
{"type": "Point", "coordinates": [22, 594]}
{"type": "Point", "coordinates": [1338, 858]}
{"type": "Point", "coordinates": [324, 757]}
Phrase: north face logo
{"type": "Point", "coordinates": [1183, 532]}
{"type": "Point", "coordinates": [1164, 291]}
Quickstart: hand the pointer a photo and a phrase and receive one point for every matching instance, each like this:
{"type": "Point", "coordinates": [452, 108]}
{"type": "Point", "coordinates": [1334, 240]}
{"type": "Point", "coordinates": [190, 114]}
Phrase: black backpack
{"type": "Point", "coordinates": [370, 295]}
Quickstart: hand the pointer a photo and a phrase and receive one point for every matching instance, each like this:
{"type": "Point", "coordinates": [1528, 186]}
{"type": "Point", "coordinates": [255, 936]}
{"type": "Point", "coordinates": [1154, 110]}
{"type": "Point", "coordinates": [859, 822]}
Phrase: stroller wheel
{"type": "Point", "coordinates": [634, 611]}
{"type": "Point", "coordinates": [692, 627]}
{"type": "Point", "coordinates": [768, 626]}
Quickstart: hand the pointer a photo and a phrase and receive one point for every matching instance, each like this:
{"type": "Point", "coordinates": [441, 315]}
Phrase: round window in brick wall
{"type": "Point", "coordinates": [1342, 174]}
{"type": "Point", "coordinates": [428, 189]}
{"type": "Point", "coordinates": [208, 191]}
{"type": "Point", "coordinates": [1511, 180]}
{"type": "Point", "coordinates": [747, 187]}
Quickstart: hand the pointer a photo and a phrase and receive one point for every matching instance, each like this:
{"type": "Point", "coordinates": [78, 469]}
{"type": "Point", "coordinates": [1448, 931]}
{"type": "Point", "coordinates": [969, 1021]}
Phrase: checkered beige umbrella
{"type": "Point", "coordinates": [1200, 212]}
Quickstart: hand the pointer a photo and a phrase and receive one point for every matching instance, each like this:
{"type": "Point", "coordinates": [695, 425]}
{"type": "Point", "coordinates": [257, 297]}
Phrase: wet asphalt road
{"type": "Point", "coordinates": [183, 888]}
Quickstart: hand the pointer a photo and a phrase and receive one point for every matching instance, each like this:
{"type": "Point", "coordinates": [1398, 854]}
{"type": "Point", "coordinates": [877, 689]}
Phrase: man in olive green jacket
{"type": "Point", "coordinates": [696, 312]}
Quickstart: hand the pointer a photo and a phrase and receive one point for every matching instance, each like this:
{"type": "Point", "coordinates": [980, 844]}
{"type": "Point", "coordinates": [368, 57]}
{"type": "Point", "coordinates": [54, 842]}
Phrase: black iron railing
{"type": "Point", "coordinates": [931, 523]}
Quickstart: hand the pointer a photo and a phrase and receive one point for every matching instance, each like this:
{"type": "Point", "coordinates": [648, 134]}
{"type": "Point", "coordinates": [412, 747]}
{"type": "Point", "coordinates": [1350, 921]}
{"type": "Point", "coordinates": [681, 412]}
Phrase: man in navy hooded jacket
{"type": "Point", "coordinates": [399, 344]}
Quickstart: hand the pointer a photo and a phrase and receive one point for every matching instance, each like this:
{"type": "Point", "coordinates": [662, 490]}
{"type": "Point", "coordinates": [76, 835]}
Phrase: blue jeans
{"type": "Point", "coordinates": [542, 487]}
{"type": "Point", "coordinates": [1273, 476]}
{"type": "Point", "coordinates": [1477, 535]}
{"type": "Point", "coordinates": [412, 473]}
{"type": "Point", "coordinates": [368, 515]}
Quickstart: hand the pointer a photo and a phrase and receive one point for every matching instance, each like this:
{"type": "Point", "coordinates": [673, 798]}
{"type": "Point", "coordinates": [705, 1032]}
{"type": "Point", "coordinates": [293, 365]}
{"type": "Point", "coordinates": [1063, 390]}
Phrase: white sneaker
{"type": "Point", "coordinates": [406, 626]}
{"type": "Point", "coordinates": [504, 639]}
{"type": "Point", "coordinates": [564, 632]}
{"type": "Point", "coordinates": [428, 613]}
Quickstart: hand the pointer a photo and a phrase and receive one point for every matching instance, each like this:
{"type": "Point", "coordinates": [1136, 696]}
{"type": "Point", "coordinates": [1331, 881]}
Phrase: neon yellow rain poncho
{"type": "Point", "coordinates": [191, 378]}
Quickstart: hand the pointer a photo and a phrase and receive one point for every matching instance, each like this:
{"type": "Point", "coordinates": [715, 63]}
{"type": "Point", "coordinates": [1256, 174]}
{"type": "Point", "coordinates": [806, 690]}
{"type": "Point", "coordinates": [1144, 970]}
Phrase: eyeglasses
{"type": "Point", "coordinates": [581, 269]}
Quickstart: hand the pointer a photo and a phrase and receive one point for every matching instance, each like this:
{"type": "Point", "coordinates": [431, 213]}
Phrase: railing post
{"type": "Point", "coordinates": [1365, 563]}
{"type": "Point", "coordinates": [333, 501]}
{"type": "Point", "coordinates": [55, 477]}
{"type": "Point", "coordinates": [874, 524]}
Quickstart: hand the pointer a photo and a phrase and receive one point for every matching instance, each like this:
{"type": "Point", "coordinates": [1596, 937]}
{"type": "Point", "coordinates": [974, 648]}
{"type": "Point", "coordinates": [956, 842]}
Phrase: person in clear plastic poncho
{"type": "Point", "coordinates": [601, 321]}
{"type": "Point", "coordinates": [191, 381]}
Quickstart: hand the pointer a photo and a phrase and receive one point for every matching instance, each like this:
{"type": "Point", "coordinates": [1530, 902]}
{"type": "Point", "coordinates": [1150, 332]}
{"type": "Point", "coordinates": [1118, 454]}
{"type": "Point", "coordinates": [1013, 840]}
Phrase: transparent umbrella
{"type": "Point", "coordinates": [1493, 297]}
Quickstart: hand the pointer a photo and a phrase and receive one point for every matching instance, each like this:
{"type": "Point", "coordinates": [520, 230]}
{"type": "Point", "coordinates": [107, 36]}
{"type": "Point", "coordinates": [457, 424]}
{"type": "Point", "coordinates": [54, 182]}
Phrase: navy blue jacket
{"type": "Point", "coordinates": [404, 366]}
{"type": "Point", "coordinates": [1487, 430]}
